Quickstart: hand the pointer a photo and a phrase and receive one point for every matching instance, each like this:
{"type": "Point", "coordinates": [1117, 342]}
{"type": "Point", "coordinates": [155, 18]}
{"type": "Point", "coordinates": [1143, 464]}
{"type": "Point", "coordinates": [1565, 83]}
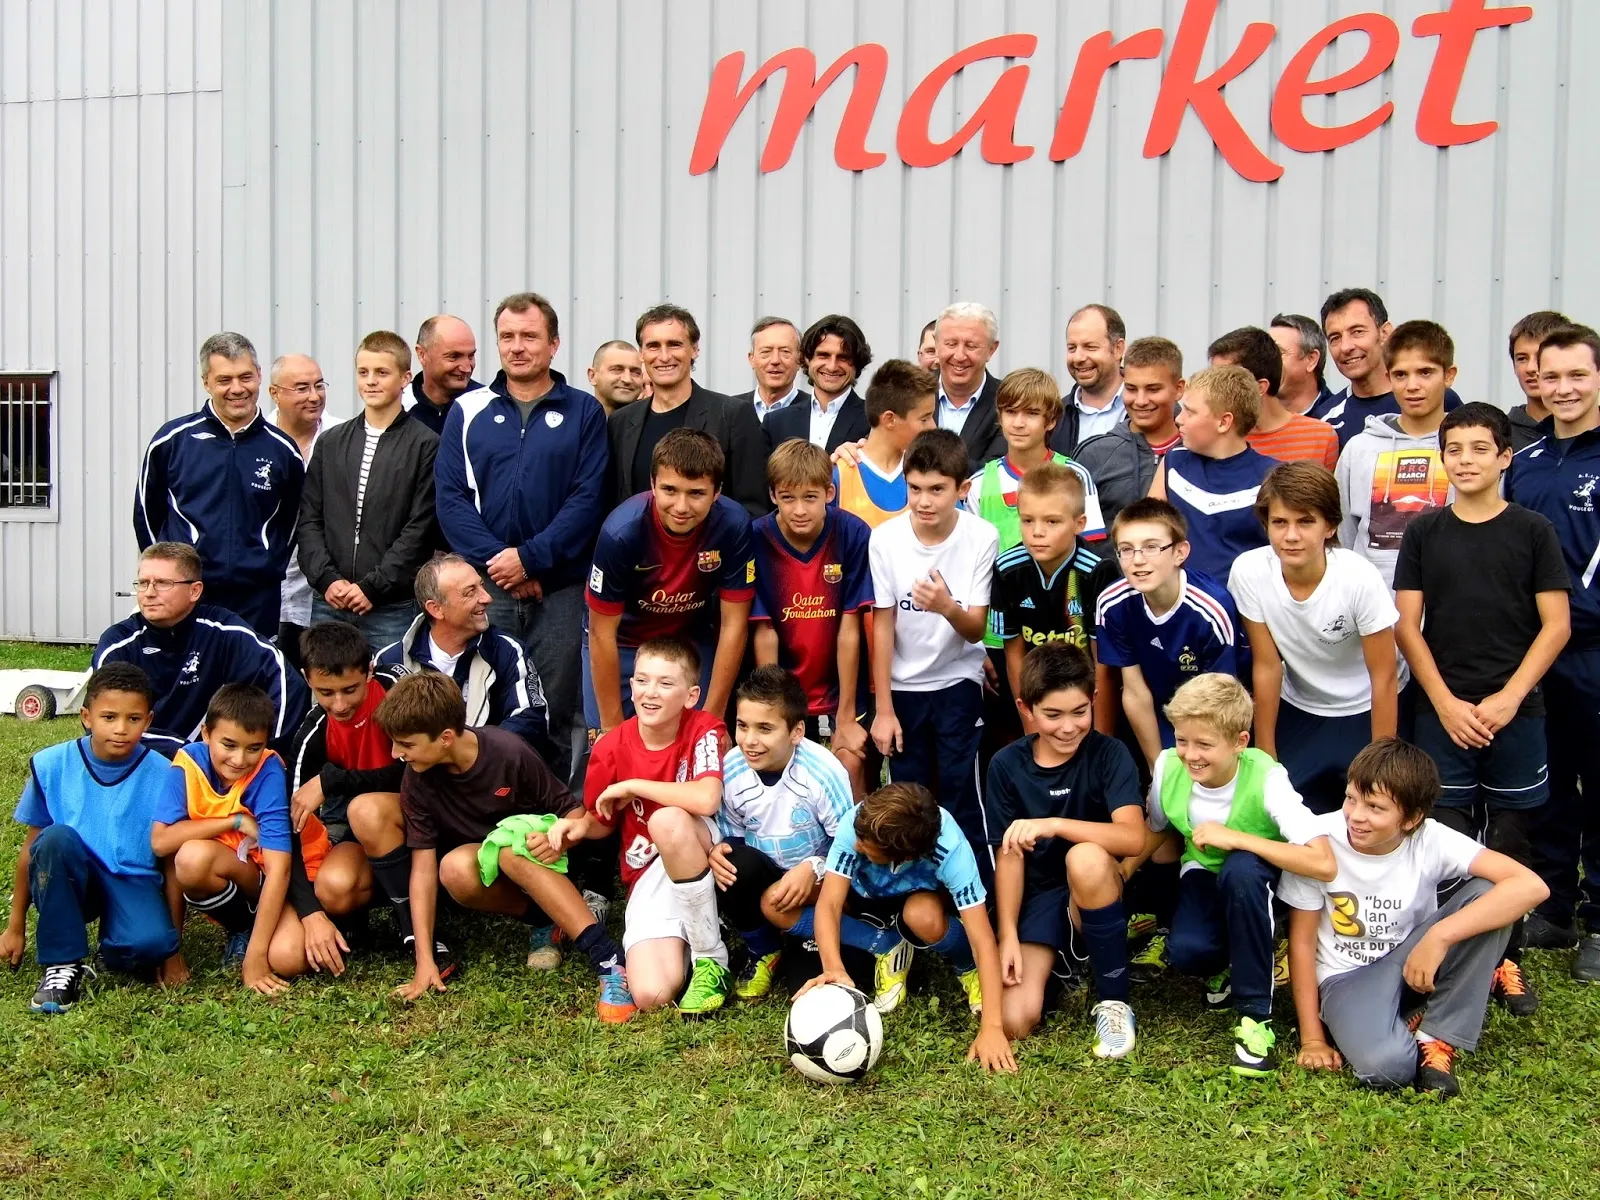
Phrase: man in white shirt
{"type": "Point", "coordinates": [965, 339]}
{"type": "Point", "coordinates": [835, 352]}
{"type": "Point", "coordinates": [775, 358]}
{"type": "Point", "coordinates": [1096, 338]}
{"type": "Point", "coordinates": [300, 395]}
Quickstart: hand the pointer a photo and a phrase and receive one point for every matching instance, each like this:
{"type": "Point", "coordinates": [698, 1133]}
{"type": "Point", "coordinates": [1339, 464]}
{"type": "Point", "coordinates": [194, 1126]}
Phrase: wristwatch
{"type": "Point", "coordinates": [819, 866]}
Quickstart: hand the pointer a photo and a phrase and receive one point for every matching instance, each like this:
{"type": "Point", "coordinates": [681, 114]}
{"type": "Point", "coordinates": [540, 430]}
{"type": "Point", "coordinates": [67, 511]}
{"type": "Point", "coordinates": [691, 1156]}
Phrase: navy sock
{"type": "Point", "coordinates": [761, 941]}
{"type": "Point", "coordinates": [1105, 933]}
{"type": "Point", "coordinates": [392, 871]}
{"type": "Point", "coordinates": [605, 956]}
{"type": "Point", "coordinates": [854, 932]}
{"type": "Point", "coordinates": [954, 948]}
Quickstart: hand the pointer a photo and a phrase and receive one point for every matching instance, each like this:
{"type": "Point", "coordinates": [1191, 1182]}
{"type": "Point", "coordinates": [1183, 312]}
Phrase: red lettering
{"type": "Point", "coordinates": [1182, 90]}
{"type": "Point", "coordinates": [997, 115]}
{"type": "Point", "coordinates": [725, 100]}
{"type": "Point", "coordinates": [1288, 109]}
{"type": "Point", "coordinates": [1456, 30]}
{"type": "Point", "coordinates": [1098, 55]}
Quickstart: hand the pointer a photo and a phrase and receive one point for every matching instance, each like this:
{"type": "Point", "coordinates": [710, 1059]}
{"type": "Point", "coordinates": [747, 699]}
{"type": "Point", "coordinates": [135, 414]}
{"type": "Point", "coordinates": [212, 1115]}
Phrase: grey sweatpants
{"type": "Point", "coordinates": [1365, 1009]}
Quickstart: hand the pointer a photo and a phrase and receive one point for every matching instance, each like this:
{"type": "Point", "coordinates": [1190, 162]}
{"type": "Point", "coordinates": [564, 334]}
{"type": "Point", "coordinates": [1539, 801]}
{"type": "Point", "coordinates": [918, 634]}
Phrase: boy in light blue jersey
{"type": "Point", "coordinates": [782, 799]}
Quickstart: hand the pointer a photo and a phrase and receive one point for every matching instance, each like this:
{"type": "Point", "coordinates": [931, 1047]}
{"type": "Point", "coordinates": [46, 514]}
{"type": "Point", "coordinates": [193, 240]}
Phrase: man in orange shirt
{"type": "Point", "coordinates": [1279, 433]}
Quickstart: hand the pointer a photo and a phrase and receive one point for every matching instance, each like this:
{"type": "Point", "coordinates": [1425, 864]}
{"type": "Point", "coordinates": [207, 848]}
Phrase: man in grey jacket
{"type": "Point", "coordinates": [367, 515]}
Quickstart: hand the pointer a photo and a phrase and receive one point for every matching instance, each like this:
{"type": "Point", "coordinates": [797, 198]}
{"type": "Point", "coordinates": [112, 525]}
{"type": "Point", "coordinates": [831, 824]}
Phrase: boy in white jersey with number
{"type": "Point", "coordinates": [782, 799]}
{"type": "Point", "coordinates": [1398, 982]}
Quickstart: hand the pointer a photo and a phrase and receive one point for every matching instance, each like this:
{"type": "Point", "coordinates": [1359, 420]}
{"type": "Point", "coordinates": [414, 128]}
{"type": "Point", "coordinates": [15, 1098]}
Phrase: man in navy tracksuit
{"type": "Point", "coordinates": [228, 482]}
{"type": "Point", "coordinates": [1559, 475]}
{"type": "Point", "coordinates": [189, 650]}
{"type": "Point", "coordinates": [520, 489]}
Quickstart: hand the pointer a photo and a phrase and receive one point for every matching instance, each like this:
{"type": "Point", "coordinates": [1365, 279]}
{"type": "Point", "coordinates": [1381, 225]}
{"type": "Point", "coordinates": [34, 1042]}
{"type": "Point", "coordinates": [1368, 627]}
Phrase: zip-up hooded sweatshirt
{"type": "Point", "coordinates": [1559, 478]}
{"type": "Point", "coordinates": [1386, 479]}
{"type": "Point", "coordinates": [541, 488]}
{"type": "Point", "coordinates": [234, 497]}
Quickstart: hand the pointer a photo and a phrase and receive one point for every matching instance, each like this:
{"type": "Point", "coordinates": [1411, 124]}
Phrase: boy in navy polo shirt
{"type": "Point", "coordinates": [88, 805]}
{"type": "Point", "coordinates": [662, 557]}
{"type": "Point", "coordinates": [1558, 476]}
{"type": "Point", "coordinates": [1064, 808]}
{"type": "Point", "coordinates": [1213, 477]}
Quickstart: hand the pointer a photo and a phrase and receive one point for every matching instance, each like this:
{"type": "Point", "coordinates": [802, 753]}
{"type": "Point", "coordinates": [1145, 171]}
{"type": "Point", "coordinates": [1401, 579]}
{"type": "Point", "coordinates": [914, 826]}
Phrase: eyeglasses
{"type": "Point", "coordinates": [1148, 550]}
{"type": "Point", "coordinates": [162, 586]}
{"type": "Point", "coordinates": [305, 389]}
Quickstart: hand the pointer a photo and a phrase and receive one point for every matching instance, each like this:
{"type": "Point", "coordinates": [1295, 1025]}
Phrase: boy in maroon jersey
{"type": "Point", "coordinates": [661, 558]}
{"type": "Point", "coordinates": [813, 581]}
{"type": "Point", "coordinates": [660, 773]}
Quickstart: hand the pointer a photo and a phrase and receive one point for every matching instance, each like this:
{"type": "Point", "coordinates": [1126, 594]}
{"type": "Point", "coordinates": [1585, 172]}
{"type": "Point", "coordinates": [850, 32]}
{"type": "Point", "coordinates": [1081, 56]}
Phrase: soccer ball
{"type": "Point", "coordinates": [834, 1034]}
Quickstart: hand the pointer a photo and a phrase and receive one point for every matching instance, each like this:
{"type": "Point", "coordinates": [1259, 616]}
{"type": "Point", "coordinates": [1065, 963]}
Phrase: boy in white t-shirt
{"type": "Point", "coordinates": [1321, 627]}
{"type": "Point", "coordinates": [1398, 981]}
{"type": "Point", "coordinates": [931, 570]}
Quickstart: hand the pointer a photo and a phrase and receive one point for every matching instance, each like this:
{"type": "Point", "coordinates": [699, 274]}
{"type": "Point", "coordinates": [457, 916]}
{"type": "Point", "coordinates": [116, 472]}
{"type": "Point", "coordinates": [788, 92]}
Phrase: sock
{"type": "Point", "coordinates": [393, 875]}
{"type": "Point", "coordinates": [855, 932]}
{"type": "Point", "coordinates": [761, 941]}
{"type": "Point", "coordinates": [605, 956]}
{"type": "Point", "coordinates": [806, 926]}
{"type": "Point", "coordinates": [227, 908]}
{"type": "Point", "coordinates": [1105, 933]}
{"type": "Point", "coordinates": [697, 899]}
{"type": "Point", "coordinates": [954, 947]}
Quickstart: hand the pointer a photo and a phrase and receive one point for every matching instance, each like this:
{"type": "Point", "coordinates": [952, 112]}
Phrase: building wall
{"type": "Point", "coordinates": [306, 172]}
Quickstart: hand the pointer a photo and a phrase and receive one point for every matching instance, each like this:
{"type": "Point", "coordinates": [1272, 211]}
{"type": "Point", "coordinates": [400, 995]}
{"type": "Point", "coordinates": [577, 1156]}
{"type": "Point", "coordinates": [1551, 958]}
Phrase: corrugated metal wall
{"type": "Point", "coordinates": [306, 172]}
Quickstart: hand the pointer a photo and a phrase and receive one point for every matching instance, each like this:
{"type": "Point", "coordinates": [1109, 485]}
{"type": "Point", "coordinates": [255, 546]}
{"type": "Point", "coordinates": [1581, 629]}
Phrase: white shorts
{"type": "Point", "coordinates": [653, 909]}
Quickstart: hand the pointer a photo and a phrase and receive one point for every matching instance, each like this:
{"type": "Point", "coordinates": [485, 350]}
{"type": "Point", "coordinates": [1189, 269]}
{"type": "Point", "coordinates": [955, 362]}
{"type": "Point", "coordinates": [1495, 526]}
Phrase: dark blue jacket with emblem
{"type": "Point", "coordinates": [234, 497]}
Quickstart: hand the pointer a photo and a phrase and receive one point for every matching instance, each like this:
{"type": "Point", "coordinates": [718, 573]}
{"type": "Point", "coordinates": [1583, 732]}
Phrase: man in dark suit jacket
{"type": "Point", "coordinates": [669, 340]}
{"type": "Point", "coordinates": [966, 338]}
{"type": "Point", "coordinates": [835, 353]}
{"type": "Point", "coordinates": [775, 360]}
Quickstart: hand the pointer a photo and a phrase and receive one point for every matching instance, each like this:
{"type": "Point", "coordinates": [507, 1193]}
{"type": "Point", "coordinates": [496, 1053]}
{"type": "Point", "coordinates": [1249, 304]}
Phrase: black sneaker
{"type": "Point", "coordinates": [1436, 1069]}
{"type": "Point", "coordinates": [1586, 967]}
{"type": "Point", "coordinates": [1512, 990]}
{"type": "Point", "coordinates": [446, 963]}
{"type": "Point", "coordinates": [1541, 934]}
{"type": "Point", "coordinates": [60, 988]}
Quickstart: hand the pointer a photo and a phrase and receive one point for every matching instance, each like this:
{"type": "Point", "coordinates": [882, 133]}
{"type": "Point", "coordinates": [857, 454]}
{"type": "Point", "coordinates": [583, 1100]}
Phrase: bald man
{"type": "Point", "coordinates": [300, 396]}
{"type": "Point", "coordinates": [616, 375]}
{"type": "Point", "coordinates": [447, 353]}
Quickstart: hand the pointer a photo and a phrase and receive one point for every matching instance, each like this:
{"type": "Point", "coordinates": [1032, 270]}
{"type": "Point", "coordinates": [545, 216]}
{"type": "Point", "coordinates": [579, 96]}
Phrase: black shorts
{"type": "Point", "coordinates": [1044, 920]}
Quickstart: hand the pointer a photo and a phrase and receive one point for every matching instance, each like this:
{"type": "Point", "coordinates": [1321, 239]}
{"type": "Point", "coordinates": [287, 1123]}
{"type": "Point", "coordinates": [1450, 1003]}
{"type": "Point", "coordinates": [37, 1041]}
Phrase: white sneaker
{"type": "Point", "coordinates": [1113, 1029]}
{"type": "Point", "coordinates": [599, 906]}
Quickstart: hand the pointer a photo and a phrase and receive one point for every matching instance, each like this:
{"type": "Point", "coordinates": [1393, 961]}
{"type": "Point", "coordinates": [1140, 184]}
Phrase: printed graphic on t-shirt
{"type": "Point", "coordinates": [1405, 484]}
{"type": "Point", "coordinates": [1362, 924]}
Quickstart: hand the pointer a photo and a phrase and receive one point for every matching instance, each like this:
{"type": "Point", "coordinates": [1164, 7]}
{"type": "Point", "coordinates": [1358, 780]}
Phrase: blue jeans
{"type": "Point", "coordinates": [386, 623]}
{"type": "Point", "coordinates": [70, 888]}
{"type": "Point", "coordinates": [552, 630]}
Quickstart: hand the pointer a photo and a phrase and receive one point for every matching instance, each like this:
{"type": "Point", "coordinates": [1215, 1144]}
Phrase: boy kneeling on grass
{"type": "Point", "coordinates": [1380, 969]}
{"type": "Point", "coordinates": [88, 805]}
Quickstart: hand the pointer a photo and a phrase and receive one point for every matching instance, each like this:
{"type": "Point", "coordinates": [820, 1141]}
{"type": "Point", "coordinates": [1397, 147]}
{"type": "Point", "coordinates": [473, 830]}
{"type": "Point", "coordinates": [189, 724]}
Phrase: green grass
{"type": "Point", "coordinates": [506, 1086]}
{"type": "Point", "coordinates": [55, 658]}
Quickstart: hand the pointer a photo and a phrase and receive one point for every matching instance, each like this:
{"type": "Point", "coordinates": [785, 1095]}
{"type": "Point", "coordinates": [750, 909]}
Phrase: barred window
{"type": "Point", "coordinates": [26, 444]}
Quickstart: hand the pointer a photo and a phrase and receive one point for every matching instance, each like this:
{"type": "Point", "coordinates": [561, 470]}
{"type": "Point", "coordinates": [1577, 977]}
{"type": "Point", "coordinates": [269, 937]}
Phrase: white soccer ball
{"type": "Point", "coordinates": [834, 1034]}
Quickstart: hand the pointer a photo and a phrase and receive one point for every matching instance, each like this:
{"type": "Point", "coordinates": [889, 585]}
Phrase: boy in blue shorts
{"type": "Point", "coordinates": [1064, 808]}
{"type": "Point", "coordinates": [662, 558]}
{"type": "Point", "coordinates": [1232, 812]}
{"type": "Point", "coordinates": [898, 866]}
{"type": "Point", "coordinates": [88, 804]}
{"type": "Point", "coordinates": [1163, 623]}
{"type": "Point", "coordinates": [782, 800]}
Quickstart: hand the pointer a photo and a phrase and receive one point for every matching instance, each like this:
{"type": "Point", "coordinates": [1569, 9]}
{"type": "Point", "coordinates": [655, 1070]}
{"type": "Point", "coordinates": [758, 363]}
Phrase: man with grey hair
{"type": "Point", "coordinates": [1305, 361]}
{"type": "Point", "coordinates": [228, 483]}
{"type": "Point", "coordinates": [965, 338]}
{"type": "Point", "coordinates": [775, 358]}
{"type": "Point", "coordinates": [447, 353]}
{"type": "Point", "coordinates": [616, 373]}
{"type": "Point", "coordinates": [300, 398]}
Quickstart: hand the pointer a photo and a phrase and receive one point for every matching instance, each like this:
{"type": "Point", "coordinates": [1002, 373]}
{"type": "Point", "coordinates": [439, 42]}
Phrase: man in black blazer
{"type": "Point", "coordinates": [669, 340]}
{"type": "Point", "coordinates": [835, 352]}
{"type": "Point", "coordinates": [775, 359]}
{"type": "Point", "coordinates": [966, 337]}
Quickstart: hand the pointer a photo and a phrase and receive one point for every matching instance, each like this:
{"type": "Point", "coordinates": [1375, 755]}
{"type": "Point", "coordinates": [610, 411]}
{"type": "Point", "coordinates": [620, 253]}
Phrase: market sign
{"type": "Point", "coordinates": [1183, 88]}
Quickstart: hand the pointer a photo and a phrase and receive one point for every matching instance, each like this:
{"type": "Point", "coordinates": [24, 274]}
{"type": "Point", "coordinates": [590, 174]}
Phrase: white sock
{"type": "Point", "coordinates": [697, 903]}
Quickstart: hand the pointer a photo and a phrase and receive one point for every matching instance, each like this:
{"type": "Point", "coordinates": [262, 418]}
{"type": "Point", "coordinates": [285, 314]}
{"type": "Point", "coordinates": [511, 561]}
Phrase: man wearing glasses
{"type": "Point", "coordinates": [189, 650]}
{"type": "Point", "coordinates": [228, 483]}
{"type": "Point", "coordinates": [300, 398]}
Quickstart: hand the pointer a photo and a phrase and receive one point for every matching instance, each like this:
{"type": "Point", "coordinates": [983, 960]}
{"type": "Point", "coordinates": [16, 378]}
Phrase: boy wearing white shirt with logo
{"type": "Point", "coordinates": [1374, 947]}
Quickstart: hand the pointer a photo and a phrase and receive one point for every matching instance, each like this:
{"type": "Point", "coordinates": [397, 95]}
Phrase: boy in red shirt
{"type": "Point", "coordinates": [660, 773]}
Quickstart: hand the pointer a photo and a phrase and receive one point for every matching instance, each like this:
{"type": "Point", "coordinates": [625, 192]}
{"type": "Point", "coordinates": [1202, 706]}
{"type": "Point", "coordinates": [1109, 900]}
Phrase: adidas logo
{"type": "Point", "coordinates": [1156, 642]}
{"type": "Point", "coordinates": [1027, 602]}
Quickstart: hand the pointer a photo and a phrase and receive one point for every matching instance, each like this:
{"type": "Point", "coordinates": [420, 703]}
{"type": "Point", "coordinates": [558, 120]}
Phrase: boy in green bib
{"type": "Point", "coordinates": [1231, 813]}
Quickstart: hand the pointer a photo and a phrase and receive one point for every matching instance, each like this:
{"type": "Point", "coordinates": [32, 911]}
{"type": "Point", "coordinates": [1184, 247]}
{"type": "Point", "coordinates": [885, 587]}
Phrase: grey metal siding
{"type": "Point", "coordinates": [307, 172]}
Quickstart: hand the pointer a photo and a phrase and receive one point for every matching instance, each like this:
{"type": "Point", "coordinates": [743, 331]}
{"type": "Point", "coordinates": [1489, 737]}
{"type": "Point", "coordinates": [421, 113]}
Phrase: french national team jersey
{"type": "Point", "coordinates": [1198, 635]}
{"type": "Point", "coordinates": [806, 596]}
{"type": "Point", "coordinates": [871, 495]}
{"type": "Point", "coordinates": [951, 866]}
{"type": "Point", "coordinates": [796, 817]}
{"type": "Point", "coordinates": [1217, 498]}
{"type": "Point", "coordinates": [662, 584]}
{"type": "Point", "coordinates": [1559, 477]}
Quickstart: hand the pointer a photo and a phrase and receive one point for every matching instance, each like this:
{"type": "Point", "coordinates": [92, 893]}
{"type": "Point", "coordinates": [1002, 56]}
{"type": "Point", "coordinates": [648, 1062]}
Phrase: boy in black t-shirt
{"type": "Point", "coordinates": [1482, 593]}
{"type": "Point", "coordinates": [477, 804]}
{"type": "Point", "coordinates": [1045, 590]}
{"type": "Point", "coordinates": [1063, 807]}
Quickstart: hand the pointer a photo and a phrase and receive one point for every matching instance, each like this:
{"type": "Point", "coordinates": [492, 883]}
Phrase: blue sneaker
{"type": "Point", "coordinates": [615, 1005]}
{"type": "Point", "coordinates": [233, 953]}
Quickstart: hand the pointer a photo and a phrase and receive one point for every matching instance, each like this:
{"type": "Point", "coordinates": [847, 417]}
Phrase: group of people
{"type": "Point", "coordinates": [1064, 690]}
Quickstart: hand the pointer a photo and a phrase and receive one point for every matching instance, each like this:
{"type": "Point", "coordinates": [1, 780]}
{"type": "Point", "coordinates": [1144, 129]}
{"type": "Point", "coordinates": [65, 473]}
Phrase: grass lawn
{"type": "Point", "coordinates": [506, 1086]}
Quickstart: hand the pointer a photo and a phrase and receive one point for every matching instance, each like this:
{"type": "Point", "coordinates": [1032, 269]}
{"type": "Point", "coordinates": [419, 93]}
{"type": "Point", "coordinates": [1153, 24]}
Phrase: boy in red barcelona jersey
{"type": "Point", "coordinates": [660, 774]}
{"type": "Point", "coordinates": [662, 557]}
{"type": "Point", "coordinates": [813, 581]}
